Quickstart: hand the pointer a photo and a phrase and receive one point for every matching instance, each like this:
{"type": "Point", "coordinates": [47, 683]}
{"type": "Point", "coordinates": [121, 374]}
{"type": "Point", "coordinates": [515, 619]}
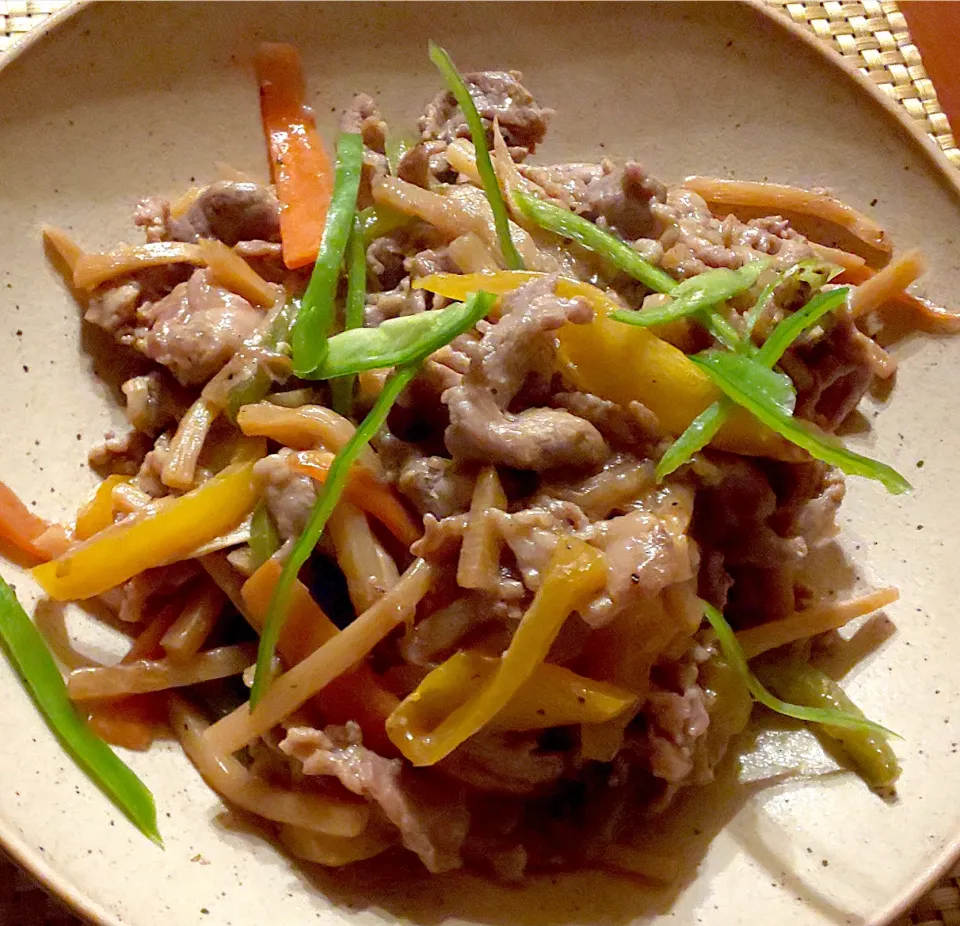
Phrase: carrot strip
{"type": "Point", "coordinates": [20, 526]}
{"type": "Point", "coordinates": [365, 491]}
{"type": "Point", "coordinates": [299, 165]}
{"type": "Point", "coordinates": [133, 722]}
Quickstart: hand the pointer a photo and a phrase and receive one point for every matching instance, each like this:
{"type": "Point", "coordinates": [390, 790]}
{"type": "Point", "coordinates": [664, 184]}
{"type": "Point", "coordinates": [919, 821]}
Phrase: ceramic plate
{"type": "Point", "coordinates": [120, 100]}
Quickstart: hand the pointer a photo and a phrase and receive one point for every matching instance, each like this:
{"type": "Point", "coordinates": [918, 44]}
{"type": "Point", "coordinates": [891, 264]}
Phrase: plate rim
{"type": "Point", "coordinates": [72, 895]}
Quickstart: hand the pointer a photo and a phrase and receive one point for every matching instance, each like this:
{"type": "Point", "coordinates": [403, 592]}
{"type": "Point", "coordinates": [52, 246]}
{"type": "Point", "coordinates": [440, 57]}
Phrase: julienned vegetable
{"type": "Point", "coordinates": [298, 162]}
{"type": "Point", "coordinates": [476, 306]}
{"type": "Point", "coordinates": [315, 320]}
{"type": "Point", "coordinates": [698, 294]}
{"type": "Point", "coordinates": [806, 685]}
{"type": "Point", "coordinates": [28, 652]}
{"type": "Point", "coordinates": [729, 374]}
{"type": "Point", "coordinates": [397, 341]}
{"type": "Point", "coordinates": [703, 429]}
{"type": "Point", "coordinates": [167, 531]}
{"type": "Point", "coordinates": [491, 187]}
{"type": "Point", "coordinates": [575, 572]}
{"type": "Point", "coordinates": [583, 231]}
{"type": "Point", "coordinates": [829, 716]}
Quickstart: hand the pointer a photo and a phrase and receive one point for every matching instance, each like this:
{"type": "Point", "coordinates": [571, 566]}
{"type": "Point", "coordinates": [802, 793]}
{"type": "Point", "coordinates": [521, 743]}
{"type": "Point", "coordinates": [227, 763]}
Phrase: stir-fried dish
{"type": "Point", "coordinates": [469, 504]}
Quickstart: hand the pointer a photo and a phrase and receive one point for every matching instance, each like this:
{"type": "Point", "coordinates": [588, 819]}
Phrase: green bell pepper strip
{"type": "Point", "coordinates": [728, 377]}
{"type": "Point", "coordinates": [397, 341]}
{"type": "Point", "coordinates": [264, 539]}
{"type": "Point", "coordinates": [807, 685]}
{"type": "Point", "coordinates": [396, 146]}
{"type": "Point", "coordinates": [353, 311]}
{"type": "Point", "coordinates": [733, 653]}
{"type": "Point", "coordinates": [491, 186]}
{"type": "Point", "coordinates": [317, 314]}
{"type": "Point", "coordinates": [377, 221]}
{"type": "Point", "coordinates": [256, 382]}
{"type": "Point", "coordinates": [570, 225]}
{"type": "Point", "coordinates": [477, 305]}
{"type": "Point", "coordinates": [29, 655]}
{"type": "Point", "coordinates": [697, 294]}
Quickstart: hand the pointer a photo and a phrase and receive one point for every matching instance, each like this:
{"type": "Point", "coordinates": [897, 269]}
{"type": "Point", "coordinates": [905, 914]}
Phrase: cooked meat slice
{"type": "Point", "coordinates": [121, 454]}
{"type": "Point", "coordinates": [290, 496]}
{"type": "Point", "coordinates": [197, 328]}
{"type": "Point", "coordinates": [231, 211]}
{"type": "Point", "coordinates": [621, 199]}
{"type": "Point", "coordinates": [621, 482]}
{"type": "Point", "coordinates": [505, 763]}
{"type": "Point", "coordinates": [694, 240]}
{"type": "Point", "coordinates": [153, 402]}
{"type": "Point", "coordinates": [631, 427]}
{"type": "Point", "coordinates": [647, 550]}
{"type": "Point", "coordinates": [497, 95]}
{"type": "Point", "coordinates": [565, 182]}
{"type": "Point", "coordinates": [441, 538]}
{"type": "Point", "coordinates": [432, 816]}
{"type": "Point", "coordinates": [415, 167]}
{"type": "Point", "coordinates": [400, 301]}
{"type": "Point", "coordinates": [832, 374]}
{"type": "Point", "coordinates": [435, 485]}
{"type": "Point", "coordinates": [362, 117]}
{"type": "Point", "coordinates": [388, 255]}
{"type": "Point", "coordinates": [520, 345]}
{"type": "Point", "coordinates": [735, 518]}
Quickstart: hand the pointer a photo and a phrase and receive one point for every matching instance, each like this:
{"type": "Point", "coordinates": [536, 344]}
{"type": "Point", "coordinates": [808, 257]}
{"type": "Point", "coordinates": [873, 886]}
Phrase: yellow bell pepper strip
{"type": "Point", "coordinates": [804, 684]}
{"type": "Point", "coordinates": [28, 653]}
{"type": "Point", "coordinates": [163, 533]}
{"type": "Point", "coordinates": [625, 364]}
{"type": "Point", "coordinates": [552, 697]}
{"type": "Point", "coordinates": [491, 186]}
{"type": "Point", "coordinates": [97, 513]}
{"type": "Point", "coordinates": [576, 572]}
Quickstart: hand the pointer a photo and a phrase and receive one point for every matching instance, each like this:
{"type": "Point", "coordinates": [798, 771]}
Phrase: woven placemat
{"type": "Point", "coordinates": [871, 35]}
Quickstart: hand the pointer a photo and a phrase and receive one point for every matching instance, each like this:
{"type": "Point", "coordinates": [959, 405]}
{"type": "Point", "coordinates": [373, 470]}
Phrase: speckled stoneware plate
{"type": "Point", "coordinates": [119, 100]}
